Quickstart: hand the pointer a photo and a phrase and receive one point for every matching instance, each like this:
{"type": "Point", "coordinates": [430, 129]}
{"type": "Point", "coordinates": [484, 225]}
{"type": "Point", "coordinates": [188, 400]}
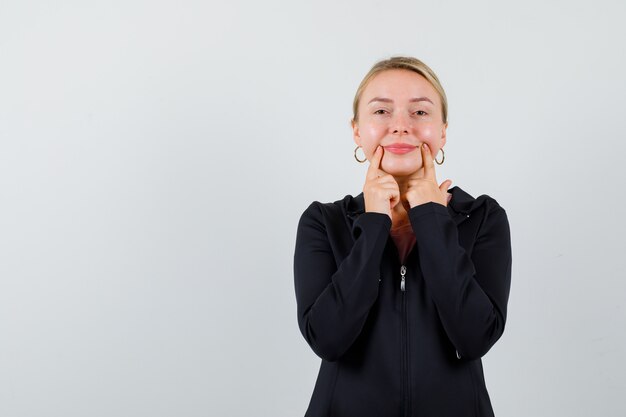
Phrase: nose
{"type": "Point", "coordinates": [400, 124]}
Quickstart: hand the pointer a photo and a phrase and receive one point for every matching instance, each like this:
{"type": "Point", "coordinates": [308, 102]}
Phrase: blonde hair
{"type": "Point", "coordinates": [407, 63]}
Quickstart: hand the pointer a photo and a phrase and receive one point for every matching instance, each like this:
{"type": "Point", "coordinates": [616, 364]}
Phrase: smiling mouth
{"type": "Point", "coordinates": [400, 149]}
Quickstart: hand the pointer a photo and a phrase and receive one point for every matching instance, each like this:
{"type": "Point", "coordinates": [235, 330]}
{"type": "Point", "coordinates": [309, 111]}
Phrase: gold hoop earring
{"type": "Point", "coordinates": [360, 161]}
{"type": "Point", "coordinates": [443, 157]}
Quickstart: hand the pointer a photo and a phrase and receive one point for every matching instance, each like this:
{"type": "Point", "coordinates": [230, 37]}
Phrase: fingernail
{"type": "Point", "coordinates": [425, 146]}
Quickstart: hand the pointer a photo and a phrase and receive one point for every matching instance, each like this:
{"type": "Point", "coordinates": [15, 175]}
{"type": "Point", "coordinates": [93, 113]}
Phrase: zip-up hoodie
{"type": "Point", "coordinates": [402, 339]}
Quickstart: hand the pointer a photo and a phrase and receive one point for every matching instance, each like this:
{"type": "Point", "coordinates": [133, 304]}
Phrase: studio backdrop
{"type": "Point", "coordinates": [155, 157]}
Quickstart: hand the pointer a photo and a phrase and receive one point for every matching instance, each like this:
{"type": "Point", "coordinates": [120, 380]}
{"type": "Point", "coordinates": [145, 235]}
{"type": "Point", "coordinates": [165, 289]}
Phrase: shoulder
{"type": "Point", "coordinates": [484, 212]}
{"type": "Point", "coordinates": [463, 202]}
{"type": "Point", "coordinates": [344, 207]}
{"type": "Point", "coordinates": [491, 217]}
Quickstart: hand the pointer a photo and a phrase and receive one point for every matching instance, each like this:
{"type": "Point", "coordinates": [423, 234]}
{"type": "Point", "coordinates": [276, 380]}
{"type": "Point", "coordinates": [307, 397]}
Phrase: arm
{"type": "Point", "coordinates": [471, 294]}
{"type": "Point", "coordinates": [333, 302]}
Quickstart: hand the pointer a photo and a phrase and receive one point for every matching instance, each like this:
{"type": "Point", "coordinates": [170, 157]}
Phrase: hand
{"type": "Point", "coordinates": [424, 189]}
{"type": "Point", "coordinates": [381, 191]}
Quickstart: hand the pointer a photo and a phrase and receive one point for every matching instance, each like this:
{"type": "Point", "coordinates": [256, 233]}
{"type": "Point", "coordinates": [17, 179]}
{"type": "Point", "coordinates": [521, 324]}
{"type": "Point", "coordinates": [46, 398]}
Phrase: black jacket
{"type": "Point", "coordinates": [396, 344]}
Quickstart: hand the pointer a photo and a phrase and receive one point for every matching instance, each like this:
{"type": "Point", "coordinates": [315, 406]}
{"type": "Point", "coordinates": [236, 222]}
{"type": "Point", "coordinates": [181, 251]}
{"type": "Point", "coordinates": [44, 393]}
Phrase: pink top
{"type": "Point", "coordinates": [404, 238]}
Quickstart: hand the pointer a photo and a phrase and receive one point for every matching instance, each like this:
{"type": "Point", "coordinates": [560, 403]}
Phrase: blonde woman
{"type": "Point", "coordinates": [402, 289]}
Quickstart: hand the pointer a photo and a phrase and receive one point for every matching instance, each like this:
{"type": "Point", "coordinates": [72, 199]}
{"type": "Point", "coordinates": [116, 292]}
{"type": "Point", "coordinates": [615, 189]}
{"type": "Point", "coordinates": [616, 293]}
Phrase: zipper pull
{"type": "Point", "coordinates": [402, 274]}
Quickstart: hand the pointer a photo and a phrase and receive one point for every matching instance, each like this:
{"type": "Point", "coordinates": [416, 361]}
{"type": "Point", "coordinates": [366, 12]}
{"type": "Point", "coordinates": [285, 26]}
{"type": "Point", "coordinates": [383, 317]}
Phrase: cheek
{"type": "Point", "coordinates": [427, 133]}
{"type": "Point", "coordinates": [431, 135]}
{"type": "Point", "coordinates": [371, 137]}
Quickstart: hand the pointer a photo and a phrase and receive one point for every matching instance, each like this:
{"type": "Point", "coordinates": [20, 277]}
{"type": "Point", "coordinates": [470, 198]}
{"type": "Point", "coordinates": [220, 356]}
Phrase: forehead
{"type": "Point", "coordinates": [399, 85]}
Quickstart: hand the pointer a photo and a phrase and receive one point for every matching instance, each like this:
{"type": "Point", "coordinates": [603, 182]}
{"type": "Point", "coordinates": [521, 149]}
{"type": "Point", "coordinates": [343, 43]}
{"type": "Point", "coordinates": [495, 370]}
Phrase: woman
{"type": "Point", "coordinates": [402, 289]}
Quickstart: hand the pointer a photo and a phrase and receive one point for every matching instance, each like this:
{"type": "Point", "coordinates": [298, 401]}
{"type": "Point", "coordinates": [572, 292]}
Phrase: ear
{"type": "Point", "coordinates": [443, 135]}
{"type": "Point", "coordinates": [356, 135]}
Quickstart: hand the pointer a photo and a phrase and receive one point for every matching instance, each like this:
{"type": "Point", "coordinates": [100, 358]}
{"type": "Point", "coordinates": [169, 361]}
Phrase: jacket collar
{"type": "Point", "coordinates": [459, 207]}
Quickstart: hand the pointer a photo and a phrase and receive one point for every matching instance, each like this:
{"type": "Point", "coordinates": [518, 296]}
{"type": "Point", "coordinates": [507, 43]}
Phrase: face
{"type": "Point", "coordinates": [399, 109]}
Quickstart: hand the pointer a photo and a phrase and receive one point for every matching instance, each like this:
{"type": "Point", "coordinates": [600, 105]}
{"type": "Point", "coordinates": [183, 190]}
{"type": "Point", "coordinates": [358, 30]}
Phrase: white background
{"type": "Point", "coordinates": [156, 156]}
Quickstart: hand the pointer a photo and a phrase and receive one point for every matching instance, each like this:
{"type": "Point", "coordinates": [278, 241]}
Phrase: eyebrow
{"type": "Point", "coordinates": [388, 100]}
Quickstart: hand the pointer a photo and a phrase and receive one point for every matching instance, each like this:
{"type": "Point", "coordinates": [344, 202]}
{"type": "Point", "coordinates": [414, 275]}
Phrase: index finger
{"type": "Point", "coordinates": [372, 170]}
{"type": "Point", "coordinates": [427, 160]}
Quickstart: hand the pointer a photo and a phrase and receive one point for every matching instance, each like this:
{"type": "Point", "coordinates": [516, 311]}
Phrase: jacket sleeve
{"type": "Point", "coordinates": [470, 293]}
{"type": "Point", "coordinates": [333, 300]}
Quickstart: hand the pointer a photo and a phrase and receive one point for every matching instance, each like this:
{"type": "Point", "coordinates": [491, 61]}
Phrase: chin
{"type": "Point", "coordinates": [400, 170]}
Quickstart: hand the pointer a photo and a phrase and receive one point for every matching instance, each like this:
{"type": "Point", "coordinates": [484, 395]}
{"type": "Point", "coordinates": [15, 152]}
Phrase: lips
{"type": "Point", "coordinates": [400, 148]}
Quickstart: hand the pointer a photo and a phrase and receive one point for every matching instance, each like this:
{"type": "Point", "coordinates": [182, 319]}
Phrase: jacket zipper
{"type": "Point", "coordinates": [405, 345]}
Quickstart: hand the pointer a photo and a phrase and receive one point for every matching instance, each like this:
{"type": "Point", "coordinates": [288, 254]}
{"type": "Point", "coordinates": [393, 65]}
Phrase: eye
{"type": "Point", "coordinates": [380, 111]}
{"type": "Point", "coordinates": [421, 113]}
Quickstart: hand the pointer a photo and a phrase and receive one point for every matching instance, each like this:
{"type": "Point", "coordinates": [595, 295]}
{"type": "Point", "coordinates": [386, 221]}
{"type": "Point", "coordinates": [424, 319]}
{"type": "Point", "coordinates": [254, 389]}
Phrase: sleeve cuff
{"type": "Point", "coordinates": [427, 209]}
{"type": "Point", "coordinates": [370, 221]}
